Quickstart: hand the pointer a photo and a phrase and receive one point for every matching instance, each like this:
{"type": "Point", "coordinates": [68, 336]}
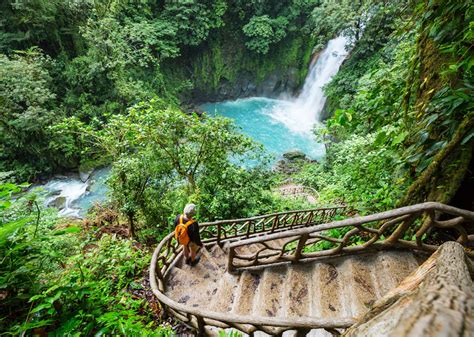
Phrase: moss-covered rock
{"type": "Point", "coordinates": [226, 69]}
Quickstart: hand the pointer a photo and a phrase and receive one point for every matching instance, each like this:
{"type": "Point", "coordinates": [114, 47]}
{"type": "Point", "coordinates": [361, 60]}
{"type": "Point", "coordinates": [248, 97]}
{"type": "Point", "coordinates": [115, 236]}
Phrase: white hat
{"type": "Point", "coordinates": [189, 210]}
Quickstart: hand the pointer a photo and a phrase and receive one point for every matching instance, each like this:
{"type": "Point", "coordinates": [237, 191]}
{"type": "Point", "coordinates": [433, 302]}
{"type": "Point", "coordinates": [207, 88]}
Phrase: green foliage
{"type": "Point", "coordinates": [332, 17]}
{"type": "Point", "coordinates": [164, 158]}
{"type": "Point", "coordinates": [231, 333]}
{"type": "Point", "coordinates": [262, 31]}
{"type": "Point", "coordinates": [29, 248]}
{"type": "Point", "coordinates": [114, 45]}
{"type": "Point", "coordinates": [92, 294]}
{"type": "Point", "coordinates": [57, 280]}
{"type": "Point", "coordinates": [358, 171]}
{"type": "Point", "coordinates": [27, 109]}
{"type": "Point", "coordinates": [51, 25]}
{"type": "Point", "coordinates": [378, 99]}
{"type": "Point", "coordinates": [236, 192]}
{"type": "Point", "coordinates": [194, 19]}
{"type": "Point", "coordinates": [444, 101]}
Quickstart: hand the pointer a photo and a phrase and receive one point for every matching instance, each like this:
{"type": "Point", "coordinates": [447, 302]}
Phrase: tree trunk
{"type": "Point", "coordinates": [435, 300]}
{"type": "Point", "coordinates": [131, 223]}
{"type": "Point", "coordinates": [441, 179]}
{"type": "Point", "coordinates": [192, 187]}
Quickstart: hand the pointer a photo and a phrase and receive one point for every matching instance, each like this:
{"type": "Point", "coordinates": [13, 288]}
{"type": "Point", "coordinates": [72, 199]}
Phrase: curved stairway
{"type": "Point", "coordinates": [343, 287]}
{"type": "Point", "coordinates": [298, 272]}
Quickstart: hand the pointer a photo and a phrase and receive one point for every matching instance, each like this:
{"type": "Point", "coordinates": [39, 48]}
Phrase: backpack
{"type": "Point", "coordinates": [181, 231]}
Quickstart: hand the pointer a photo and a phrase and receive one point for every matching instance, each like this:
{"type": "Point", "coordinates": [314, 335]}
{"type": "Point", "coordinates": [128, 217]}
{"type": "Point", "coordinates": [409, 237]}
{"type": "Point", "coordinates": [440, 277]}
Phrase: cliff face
{"type": "Point", "coordinates": [246, 85]}
{"type": "Point", "coordinates": [226, 70]}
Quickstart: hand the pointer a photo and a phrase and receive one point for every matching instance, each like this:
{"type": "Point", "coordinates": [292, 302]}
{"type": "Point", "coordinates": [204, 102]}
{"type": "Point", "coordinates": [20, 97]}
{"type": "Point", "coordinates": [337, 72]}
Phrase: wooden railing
{"type": "Point", "coordinates": [391, 229]}
{"type": "Point", "coordinates": [237, 229]}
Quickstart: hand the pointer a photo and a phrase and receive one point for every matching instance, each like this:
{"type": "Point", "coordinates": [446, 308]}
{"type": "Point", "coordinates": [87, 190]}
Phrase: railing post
{"type": "Point", "coordinates": [230, 265]}
{"type": "Point", "coordinates": [302, 332]}
{"type": "Point", "coordinates": [201, 329]}
{"type": "Point", "coordinates": [300, 246]}
{"type": "Point", "coordinates": [219, 235]}
{"type": "Point", "coordinates": [401, 229]}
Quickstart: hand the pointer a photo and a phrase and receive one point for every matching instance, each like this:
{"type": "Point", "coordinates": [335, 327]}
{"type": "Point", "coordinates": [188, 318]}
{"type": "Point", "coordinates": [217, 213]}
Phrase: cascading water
{"type": "Point", "coordinates": [286, 125]}
{"type": "Point", "coordinates": [301, 114]}
{"type": "Point", "coordinates": [67, 191]}
{"type": "Point", "coordinates": [74, 197]}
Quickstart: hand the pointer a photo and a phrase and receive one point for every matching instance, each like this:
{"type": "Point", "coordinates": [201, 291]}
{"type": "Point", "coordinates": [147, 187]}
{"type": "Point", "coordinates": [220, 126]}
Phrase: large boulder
{"type": "Point", "coordinates": [291, 162]}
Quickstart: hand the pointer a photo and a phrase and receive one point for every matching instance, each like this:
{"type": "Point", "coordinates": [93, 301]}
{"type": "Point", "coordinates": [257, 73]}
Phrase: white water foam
{"type": "Point", "coordinates": [303, 113]}
{"type": "Point", "coordinates": [78, 196]}
{"type": "Point", "coordinates": [71, 189]}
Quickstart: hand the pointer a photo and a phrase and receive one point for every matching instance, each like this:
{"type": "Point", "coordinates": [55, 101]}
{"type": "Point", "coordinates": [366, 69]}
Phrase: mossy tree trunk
{"type": "Point", "coordinates": [443, 177]}
{"type": "Point", "coordinates": [431, 72]}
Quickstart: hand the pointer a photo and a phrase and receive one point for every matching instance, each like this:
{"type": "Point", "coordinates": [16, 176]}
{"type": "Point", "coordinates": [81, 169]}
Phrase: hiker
{"type": "Point", "coordinates": [187, 234]}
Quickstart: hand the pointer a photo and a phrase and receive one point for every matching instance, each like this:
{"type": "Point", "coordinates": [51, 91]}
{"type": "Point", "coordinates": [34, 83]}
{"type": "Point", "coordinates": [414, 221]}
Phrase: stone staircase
{"type": "Point", "coordinates": [340, 287]}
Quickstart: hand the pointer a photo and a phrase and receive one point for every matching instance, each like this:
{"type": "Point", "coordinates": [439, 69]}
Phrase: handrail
{"type": "Point", "coordinates": [230, 221]}
{"type": "Point", "coordinates": [225, 230]}
{"type": "Point", "coordinates": [306, 238]}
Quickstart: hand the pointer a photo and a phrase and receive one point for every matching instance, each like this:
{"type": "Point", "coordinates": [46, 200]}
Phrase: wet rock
{"type": "Point", "coordinates": [85, 175]}
{"type": "Point", "coordinates": [292, 162]}
{"type": "Point", "coordinates": [294, 155]}
{"type": "Point", "coordinates": [54, 193]}
{"type": "Point", "coordinates": [59, 202]}
{"type": "Point", "coordinates": [245, 85]}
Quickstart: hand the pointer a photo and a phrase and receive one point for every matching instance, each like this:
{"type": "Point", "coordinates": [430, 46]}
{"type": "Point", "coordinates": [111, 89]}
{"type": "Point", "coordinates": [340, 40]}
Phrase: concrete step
{"type": "Point", "coordinates": [219, 256]}
{"type": "Point", "coordinates": [356, 277]}
{"type": "Point", "coordinates": [362, 287]}
{"type": "Point", "coordinates": [270, 301]}
{"type": "Point", "coordinates": [186, 289]}
{"type": "Point", "coordinates": [224, 298]}
{"type": "Point", "coordinates": [246, 293]}
{"type": "Point", "coordinates": [205, 268]}
{"type": "Point", "coordinates": [298, 291]}
{"type": "Point", "coordinates": [342, 287]}
{"type": "Point", "coordinates": [328, 296]}
{"type": "Point", "coordinates": [391, 268]}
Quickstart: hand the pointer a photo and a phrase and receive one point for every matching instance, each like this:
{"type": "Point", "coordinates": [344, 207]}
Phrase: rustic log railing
{"type": "Point", "coordinates": [378, 231]}
{"type": "Point", "coordinates": [231, 230]}
{"type": "Point", "coordinates": [308, 235]}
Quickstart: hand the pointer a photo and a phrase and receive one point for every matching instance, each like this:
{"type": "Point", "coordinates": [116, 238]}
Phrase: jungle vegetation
{"type": "Point", "coordinates": [89, 83]}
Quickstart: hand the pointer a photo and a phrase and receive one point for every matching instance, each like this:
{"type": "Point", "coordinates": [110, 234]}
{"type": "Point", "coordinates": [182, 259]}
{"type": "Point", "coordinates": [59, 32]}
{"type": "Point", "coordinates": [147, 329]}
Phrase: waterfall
{"type": "Point", "coordinates": [301, 114]}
